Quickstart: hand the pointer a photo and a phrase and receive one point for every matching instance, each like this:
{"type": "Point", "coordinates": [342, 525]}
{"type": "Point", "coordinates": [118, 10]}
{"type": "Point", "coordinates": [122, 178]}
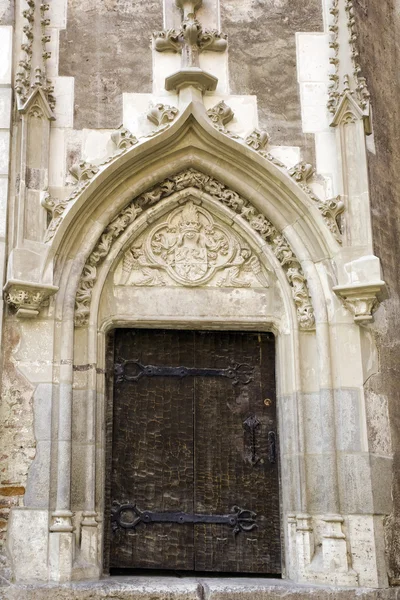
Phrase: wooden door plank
{"type": "Point", "coordinates": [152, 455]}
{"type": "Point", "coordinates": [224, 472]}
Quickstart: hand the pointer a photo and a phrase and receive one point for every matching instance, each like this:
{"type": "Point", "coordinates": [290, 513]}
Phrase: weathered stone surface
{"type": "Point", "coordinates": [262, 59]}
{"type": "Point", "coordinates": [189, 588]}
{"type": "Point", "coordinates": [6, 12]}
{"type": "Point", "coordinates": [107, 48]}
{"type": "Point", "coordinates": [378, 27]}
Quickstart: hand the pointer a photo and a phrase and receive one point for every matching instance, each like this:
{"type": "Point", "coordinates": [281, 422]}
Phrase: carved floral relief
{"type": "Point", "coordinates": [191, 249]}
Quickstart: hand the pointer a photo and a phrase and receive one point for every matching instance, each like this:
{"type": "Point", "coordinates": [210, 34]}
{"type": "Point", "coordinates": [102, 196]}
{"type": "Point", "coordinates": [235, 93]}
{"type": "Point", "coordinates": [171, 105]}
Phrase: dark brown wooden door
{"type": "Point", "coordinates": [192, 446]}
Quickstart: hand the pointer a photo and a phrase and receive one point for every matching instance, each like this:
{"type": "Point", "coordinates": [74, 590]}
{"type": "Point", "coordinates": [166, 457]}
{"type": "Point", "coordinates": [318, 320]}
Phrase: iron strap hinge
{"type": "Point", "coordinates": [133, 370]}
{"type": "Point", "coordinates": [239, 519]}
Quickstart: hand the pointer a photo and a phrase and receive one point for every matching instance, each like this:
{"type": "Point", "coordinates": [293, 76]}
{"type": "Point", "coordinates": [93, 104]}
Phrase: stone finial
{"type": "Point", "coordinates": [346, 81]}
{"type": "Point", "coordinates": [189, 6]}
{"type": "Point", "coordinates": [190, 40]}
{"type": "Point", "coordinates": [162, 114]}
{"type": "Point", "coordinates": [26, 297]}
{"type": "Point", "coordinates": [123, 138]}
{"type": "Point", "coordinates": [31, 72]}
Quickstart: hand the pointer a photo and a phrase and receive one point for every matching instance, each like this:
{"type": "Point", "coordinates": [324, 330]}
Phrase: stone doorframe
{"type": "Point", "coordinates": [333, 532]}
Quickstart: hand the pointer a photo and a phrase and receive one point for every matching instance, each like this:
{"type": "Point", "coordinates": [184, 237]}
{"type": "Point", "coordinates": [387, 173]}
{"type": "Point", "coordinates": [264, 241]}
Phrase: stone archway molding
{"type": "Point", "coordinates": [192, 178]}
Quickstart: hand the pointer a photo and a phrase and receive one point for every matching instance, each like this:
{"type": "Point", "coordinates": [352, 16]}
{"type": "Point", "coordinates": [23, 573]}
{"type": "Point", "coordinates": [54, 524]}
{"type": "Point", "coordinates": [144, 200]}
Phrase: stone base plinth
{"type": "Point", "coordinates": [192, 588]}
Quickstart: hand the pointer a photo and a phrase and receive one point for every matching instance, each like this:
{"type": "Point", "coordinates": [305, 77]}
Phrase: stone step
{"type": "Point", "coordinates": [191, 588]}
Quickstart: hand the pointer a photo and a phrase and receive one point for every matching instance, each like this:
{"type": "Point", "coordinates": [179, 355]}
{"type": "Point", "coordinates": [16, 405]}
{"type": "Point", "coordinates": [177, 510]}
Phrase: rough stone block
{"type": "Point", "coordinates": [29, 559]}
{"type": "Point", "coordinates": [349, 426]}
{"type": "Point", "coordinates": [312, 57]}
{"type": "Point", "coordinates": [355, 483]}
{"type": "Point", "coordinates": [6, 33]}
{"type": "Point", "coordinates": [4, 151]}
{"type": "Point", "coordinates": [5, 108]}
{"type": "Point", "coordinates": [38, 482]}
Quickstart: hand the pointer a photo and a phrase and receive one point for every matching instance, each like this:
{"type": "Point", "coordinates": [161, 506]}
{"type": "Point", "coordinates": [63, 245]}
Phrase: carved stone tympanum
{"type": "Point", "coordinates": [190, 248]}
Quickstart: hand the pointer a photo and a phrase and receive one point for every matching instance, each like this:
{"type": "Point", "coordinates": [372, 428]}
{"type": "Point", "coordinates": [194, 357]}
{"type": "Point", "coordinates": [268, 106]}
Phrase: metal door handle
{"type": "Point", "coordinates": [250, 425]}
{"type": "Point", "coordinates": [271, 446]}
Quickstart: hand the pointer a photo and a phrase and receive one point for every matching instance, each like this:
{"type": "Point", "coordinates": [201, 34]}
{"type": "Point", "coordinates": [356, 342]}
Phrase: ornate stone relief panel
{"type": "Point", "coordinates": [190, 248]}
{"type": "Point", "coordinates": [230, 199]}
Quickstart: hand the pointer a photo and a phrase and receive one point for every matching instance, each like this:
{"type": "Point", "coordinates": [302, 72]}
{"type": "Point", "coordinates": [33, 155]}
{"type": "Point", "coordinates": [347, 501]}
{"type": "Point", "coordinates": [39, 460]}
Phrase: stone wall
{"type": "Point", "coordinates": [107, 49]}
{"type": "Point", "coordinates": [262, 59]}
{"type": "Point", "coordinates": [378, 25]}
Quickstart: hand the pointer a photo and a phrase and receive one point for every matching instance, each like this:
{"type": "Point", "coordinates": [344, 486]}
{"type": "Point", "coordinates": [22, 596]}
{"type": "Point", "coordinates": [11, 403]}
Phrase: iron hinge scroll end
{"type": "Point", "coordinates": [134, 370]}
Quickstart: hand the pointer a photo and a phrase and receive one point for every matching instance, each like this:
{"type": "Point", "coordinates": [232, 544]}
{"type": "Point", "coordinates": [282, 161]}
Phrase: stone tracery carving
{"type": "Point", "coordinates": [190, 248]}
{"type": "Point", "coordinates": [229, 198]}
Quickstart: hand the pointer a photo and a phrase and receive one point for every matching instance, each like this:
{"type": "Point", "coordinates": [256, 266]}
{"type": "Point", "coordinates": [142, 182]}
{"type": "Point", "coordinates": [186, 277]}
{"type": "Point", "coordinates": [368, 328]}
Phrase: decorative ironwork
{"type": "Point", "coordinates": [237, 373]}
{"type": "Point", "coordinates": [250, 425]}
{"type": "Point", "coordinates": [272, 446]}
{"type": "Point", "coordinates": [239, 519]}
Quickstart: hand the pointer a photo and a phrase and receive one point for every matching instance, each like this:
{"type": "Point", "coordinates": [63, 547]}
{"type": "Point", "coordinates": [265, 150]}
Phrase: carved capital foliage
{"type": "Point", "coordinates": [302, 172]}
{"type": "Point", "coordinates": [27, 298]}
{"type": "Point", "coordinates": [360, 299]}
{"type": "Point", "coordinates": [221, 114]}
{"type": "Point", "coordinates": [229, 198]}
{"type": "Point", "coordinates": [31, 73]}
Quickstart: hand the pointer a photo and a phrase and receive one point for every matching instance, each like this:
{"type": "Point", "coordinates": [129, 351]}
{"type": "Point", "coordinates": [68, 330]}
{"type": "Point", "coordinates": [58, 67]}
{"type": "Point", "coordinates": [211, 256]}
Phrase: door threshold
{"type": "Point", "coordinates": [176, 573]}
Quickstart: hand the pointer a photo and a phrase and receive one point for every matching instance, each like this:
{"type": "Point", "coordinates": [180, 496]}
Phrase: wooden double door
{"type": "Point", "coordinates": [194, 476]}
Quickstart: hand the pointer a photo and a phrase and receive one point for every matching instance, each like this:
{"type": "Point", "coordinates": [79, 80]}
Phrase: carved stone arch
{"type": "Point", "coordinates": [267, 206]}
{"type": "Point", "coordinates": [191, 141]}
{"type": "Point", "coordinates": [239, 210]}
{"type": "Point", "coordinates": [258, 253]}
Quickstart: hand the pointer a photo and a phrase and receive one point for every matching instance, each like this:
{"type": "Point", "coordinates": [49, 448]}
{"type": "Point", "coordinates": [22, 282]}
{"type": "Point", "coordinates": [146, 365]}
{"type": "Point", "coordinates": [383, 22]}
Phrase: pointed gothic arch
{"type": "Point", "coordinates": [267, 208]}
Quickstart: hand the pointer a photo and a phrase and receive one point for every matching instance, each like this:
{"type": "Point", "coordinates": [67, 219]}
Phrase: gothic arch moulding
{"type": "Point", "coordinates": [221, 250]}
{"type": "Point", "coordinates": [275, 203]}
